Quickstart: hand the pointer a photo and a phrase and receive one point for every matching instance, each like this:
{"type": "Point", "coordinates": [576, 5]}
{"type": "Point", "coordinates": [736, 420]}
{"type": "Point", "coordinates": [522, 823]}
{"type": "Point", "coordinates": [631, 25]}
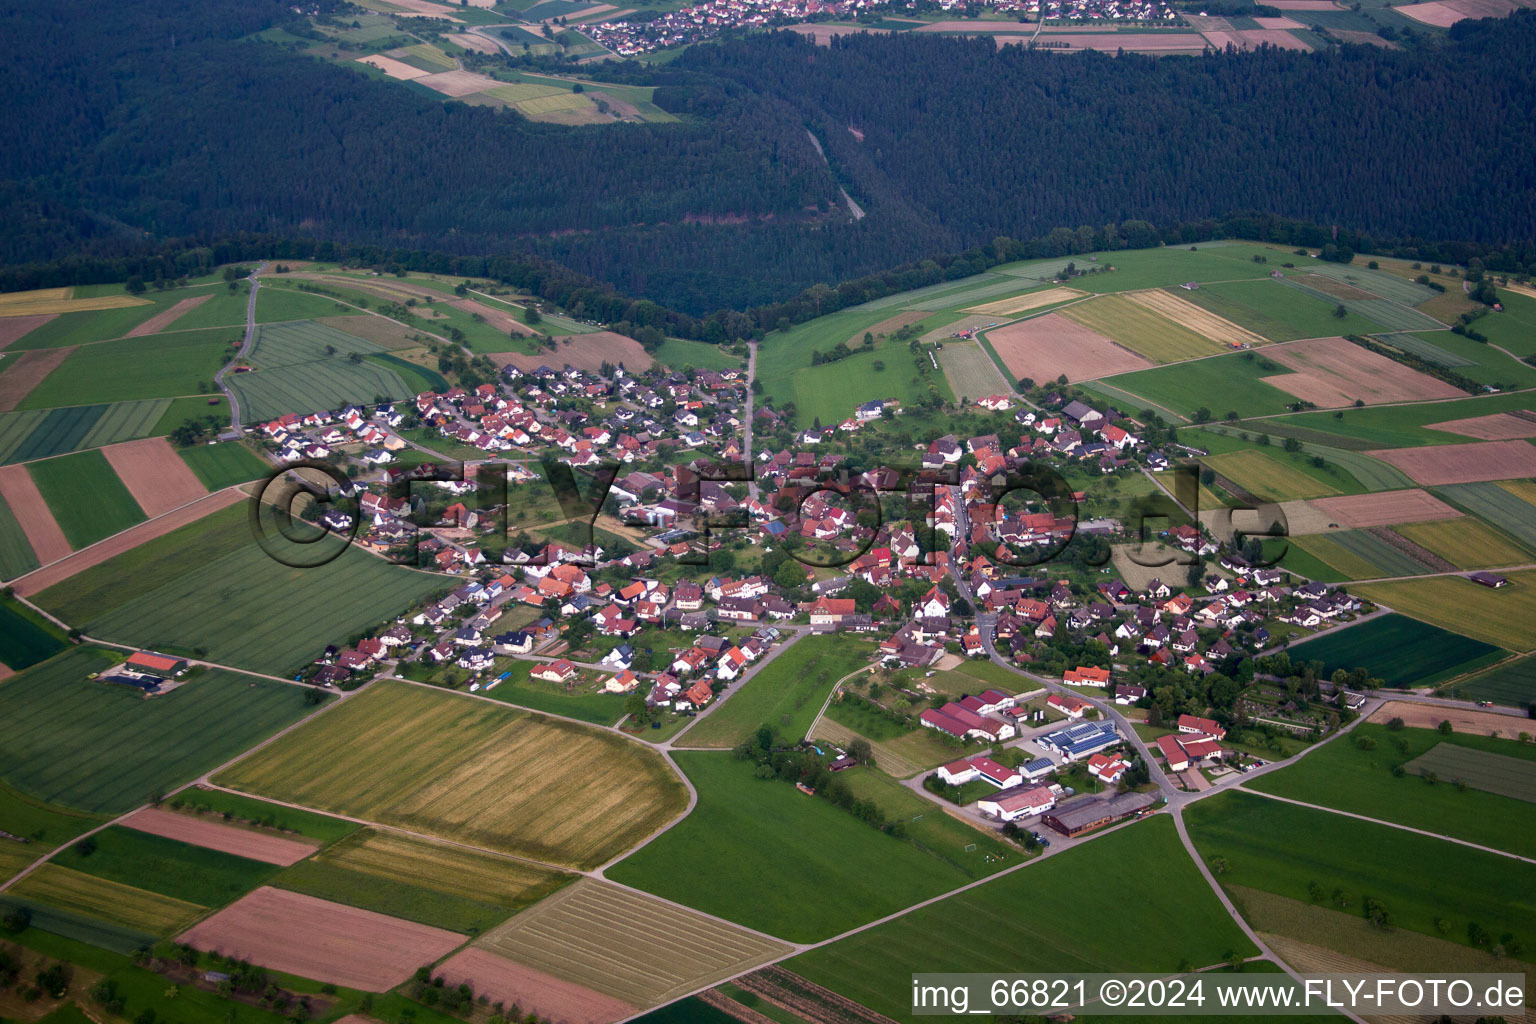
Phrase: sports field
{"type": "Point", "coordinates": [98, 746]}
{"type": "Point", "coordinates": [303, 366]}
{"type": "Point", "coordinates": [470, 771]}
{"type": "Point", "coordinates": [1042, 918]}
{"type": "Point", "coordinates": [1480, 769]}
{"type": "Point", "coordinates": [247, 610]}
{"type": "Point", "coordinates": [625, 944]}
{"type": "Point", "coordinates": [785, 695]}
{"type": "Point", "coordinates": [1400, 651]}
{"type": "Point", "coordinates": [1142, 327]}
{"type": "Point", "coordinates": [224, 464]}
{"type": "Point", "coordinates": [1502, 617]}
{"type": "Point", "coordinates": [86, 497]}
{"type": "Point", "coordinates": [179, 870]}
{"type": "Point", "coordinates": [1420, 879]}
{"type": "Point", "coordinates": [75, 892]}
{"type": "Point", "coordinates": [1467, 543]}
{"type": "Point", "coordinates": [154, 366]}
{"type": "Point", "coordinates": [763, 854]}
{"type": "Point", "coordinates": [430, 883]}
{"type": "Point", "coordinates": [1269, 479]}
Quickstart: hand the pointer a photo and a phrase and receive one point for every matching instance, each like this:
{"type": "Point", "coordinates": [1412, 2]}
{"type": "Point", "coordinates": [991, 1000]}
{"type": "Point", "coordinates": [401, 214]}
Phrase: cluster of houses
{"type": "Point", "coordinates": [318, 435]}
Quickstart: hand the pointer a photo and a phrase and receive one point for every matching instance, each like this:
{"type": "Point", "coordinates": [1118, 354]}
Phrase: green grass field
{"type": "Point", "coordinates": [763, 854]}
{"type": "Point", "coordinates": [978, 853]}
{"type": "Point", "coordinates": [100, 746]}
{"type": "Point", "coordinates": [26, 638]}
{"type": "Point", "coordinates": [42, 824]}
{"type": "Point", "coordinates": [1401, 426]}
{"type": "Point", "coordinates": [153, 366]}
{"type": "Point", "coordinates": [179, 870]}
{"type": "Point", "coordinates": [1220, 384]}
{"type": "Point", "coordinates": [679, 353]}
{"type": "Point", "coordinates": [1512, 683]}
{"type": "Point", "coordinates": [785, 695]}
{"type": "Point", "coordinates": [86, 497]}
{"type": "Point", "coordinates": [37, 434]}
{"type": "Point", "coordinates": [1317, 557]}
{"type": "Point", "coordinates": [519, 689]}
{"type": "Point", "coordinates": [470, 771]}
{"type": "Point", "coordinates": [1341, 774]}
{"type": "Point", "coordinates": [1377, 551]}
{"type": "Point", "coordinates": [111, 902]}
{"type": "Point", "coordinates": [1481, 362]}
{"type": "Point", "coordinates": [248, 809]}
{"type": "Point", "coordinates": [1467, 543]}
{"type": "Point", "coordinates": [434, 884]}
{"type": "Point", "coordinates": [247, 610]}
{"type": "Point", "coordinates": [1504, 505]}
{"type": "Point", "coordinates": [303, 366]}
{"type": "Point", "coordinates": [225, 464]}
{"type": "Point", "coordinates": [1282, 848]}
{"type": "Point", "coordinates": [105, 324]}
{"type": "Point", "coordinates": [1400, 651]}
{"type": "Point", "coordinates": [277, 305]}
{"type": "Point", "coordinates": [1515, 327]}
{"type": "Point", "coordinates": [1043, 918]}
{"type": "Point", "coordinates": [16, 554]}
{"type": "Point", "coordinates": [1267, 307]}
{"type": "Point", "coordinates": [1501, 617]}
{"type": "Point", "coordinates": [1269, 478]}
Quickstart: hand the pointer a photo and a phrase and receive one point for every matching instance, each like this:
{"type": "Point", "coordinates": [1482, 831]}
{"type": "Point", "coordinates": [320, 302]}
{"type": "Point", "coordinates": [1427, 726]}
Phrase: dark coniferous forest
{"type": "Point", "coordinates": [136, 122]}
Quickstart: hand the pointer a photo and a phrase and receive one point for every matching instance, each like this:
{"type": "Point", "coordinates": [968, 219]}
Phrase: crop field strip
{"type": "Point", "coordinates": [1267, 477]}
{"type": "Point", "coordinates": [1502, 617]}
{"type": "Point", "coordinates": [38, 434]}
{"type": "Point", "coordinates": [132, 369]}
{"type": "Point", "coordinates": [1390, 315]}
{"type": "Point", "coordinates": [16, 554]}
{"type": "Point", "coordinates": [101, 747]}
{"type": "Point", "coordinates": [1507, 505]}
{"type": "Point", "coordinates": [112, 902]}
{"type": "Point", "coordinates": [1377, 549]}
{"type": "Point", "coordinates": [61, 300]}
{"type": "Point", "coordinates": [1511, 682]}
{"type": "Point", "coordinates": [252, 612]}
{"type": "Point", "coordinates": [304, 366]}
{"type": "Point", "coordinates": [627, 944]}
{"type": "Point", "coordinates": [1467, 543]}
{"type": "Point", "coordinates": [971, 372]}
{"type": "Point", "coordinates": [1142, 327]}
{"type": "Point", "coordinates": [1345, 562]}
{"type": "Point", "coordinates": [1426, 350]}
{"type": "Point", "coordinates": [26, 637]}
{"type": "Point", "coordinates": [1388, 286]}
{"type": "Point", "coordinates": [452, 759]}
{"type": "Point", "coordinates": [1397, 649]}
{"type": "Point", "coordinates": [87, 498]}
{"type": "Point", "coordinates": [169, 867]}
{"type": "Point", "coordinates": [1492, 773]}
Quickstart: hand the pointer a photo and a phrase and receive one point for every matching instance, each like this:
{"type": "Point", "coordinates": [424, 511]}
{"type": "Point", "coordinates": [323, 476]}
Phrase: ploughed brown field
{"type": "Point", "coordinates": [583, 351]}
{"type": "Point", "coordinates": [1387, 508]}
{"type": "Point", "coordinates": [41, 579]}
{"type": "Point", "coordinates": [1499, 426]}
{"type": "Point", "coordinates": [318, 939]}
{"type": "Point", "coordinates": [32, 514]}
{"type": "Point", "coordinates": [506, 981]}
{"type": "Point", "coordinates": [160, 321]}
{"type": "Point", "coordinates": [154, 474]}
{"type": "Point", "coordinates": [1427, 716]}
{"type": "Point", "coordinates": [1463, 463]}
{"type": "Point", "coordinates": [215, 835]}
{"type": "Point", "coordinates": [1332, 372]}
{"type": "Point", "coordinates": [26, 371]}
{"type": "Point", "coordinates": [1045, 347]}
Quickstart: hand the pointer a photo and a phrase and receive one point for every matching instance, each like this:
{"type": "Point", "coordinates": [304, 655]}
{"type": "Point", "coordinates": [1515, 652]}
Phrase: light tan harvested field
{"type": "Point", "coordinates": [1201, 321]}
{"type": "Point", "coordinates": [457, 83]}
{"type": "Point", "coordinates": [471, 771]}
{"type": "Point", "coordinates": [1045, 347]}
{"type": "Point", "coordinates": [1138, 576]}
{"type": "Point", "coordinates": [20, 373]}
{"type": "Point", "coordinates": [503, 981]}
{"type": "Point", "coordinates": [60, 300]}
{"type": "Point", "coordinates": [1428, 716]}
{"type": "Point", "coordinates": [1024, 303]}
{"type": "Point", "coordinates": [42, 579]}
{"type": "Point", "coordinates": [160, 321]}
{"type": "Point", "coordinates": [315, 938]}
{"type": "Point", "coordinates": [380, 330]}
{"type": "Point", "coordinates": [1499, 426]}
{"type": "Point", "coordinates": [215, 835]}
{"type": "Point", "coordinates": [626, 944]}
{"type": "Point", "coordinates": [583, 351]}
{"type": "Point", "coordinates": [476, 43]}
{"type": "Point", "coordinates": [487, 878]}
{"type": "Point", "coordinates": [1280, 23]}
{"type": "Point", "coordinates": [13, 328]}
{"type": "Point", "coordinates": [1386, 508]}
{"type": "Point", "coordinates": [32, 515]}
{"type": "Point", "coordinates": [823, 34]}
{"type": "Point", "coordinates": [501, 319]}
{"type": "Point", "coordinates": [1332, 372]}
{"type": "Point", "coordinates": [1302, 518]}
{"type": "Point", "coordinates": [393, 68]}
{"type": "Point", "coordinates": [154, 474]}
{"type": "Point", "coordinates": [1463, 463]}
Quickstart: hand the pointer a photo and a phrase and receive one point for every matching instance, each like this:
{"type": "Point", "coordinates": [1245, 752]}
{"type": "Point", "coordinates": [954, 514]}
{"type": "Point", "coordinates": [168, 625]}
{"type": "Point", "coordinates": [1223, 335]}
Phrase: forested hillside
{"type": "Point", "coordinates": [159, 118]}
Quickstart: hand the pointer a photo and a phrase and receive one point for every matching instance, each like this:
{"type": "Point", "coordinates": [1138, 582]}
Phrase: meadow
{"type": "Point", "coordinates": [26, 638]}
{"type": "Point", "coordinates": [1481, 362]}
{"type": "Point", "coordinates": [679, 353]}
{"type": "Point", "coordinates": [1221, 384]}
{"type": "Point", "coordinates": [1482, 770]}
{"type": "Point", "coordinates": [1399, 426]}
{"type": "Point", "coordinates": [785, 695]}
{"type": "Point", "coordinates": [1318, 556]}
{"type": "Point", "coordinates": [585, 704]}
{"type": "Point", "coordinates": [1267, 307]}
{"type": "Point", "coordinates": [430, 883]}
{"type": "Point", "coordinates": [152, 366]}
{"type": "Point", "coordinates": [977, 852]}
{"type": "Point", "coordinates": [1400, 651]}
{"type": "Point", "coordinates": [1342, 774]}
{"type": "Point", "coordinates": [1502, 617]}
{"type": "Point", "coordinates": [1041, 918]}
{"type": "Point", "coordinates": [763, 854]}
{"type": "Point", "coordinates": [225, 464]}
{"type": "Point", "coordinates": [276, 305]}
{"type": "Point", "coordinates": [102, 747]}
{"type": "Point", "coordinates": [247, 610]}
{"type": "Point", "coordinates": [1420, 879]}
{"type": "Point", "coordinates": [86, 497]}
{"type": "Point", "coordinates": [45, 825]}
{"type": "Point", "coordinates": [1390, 315]}
{"type": "Point", "coordinates": [472, 772]}
{"type": "Point", "coordinates": [1515, 327]}
{"type": "Point", "coordinates": [181, 871]}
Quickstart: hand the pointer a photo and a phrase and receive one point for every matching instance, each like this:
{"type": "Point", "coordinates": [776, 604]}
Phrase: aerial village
{"type": "Point", "coordinates": [689, 581]}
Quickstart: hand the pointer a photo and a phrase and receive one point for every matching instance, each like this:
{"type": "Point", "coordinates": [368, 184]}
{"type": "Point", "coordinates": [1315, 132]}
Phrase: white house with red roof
{"type": "Point", "coordinates": [1013, 804]}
